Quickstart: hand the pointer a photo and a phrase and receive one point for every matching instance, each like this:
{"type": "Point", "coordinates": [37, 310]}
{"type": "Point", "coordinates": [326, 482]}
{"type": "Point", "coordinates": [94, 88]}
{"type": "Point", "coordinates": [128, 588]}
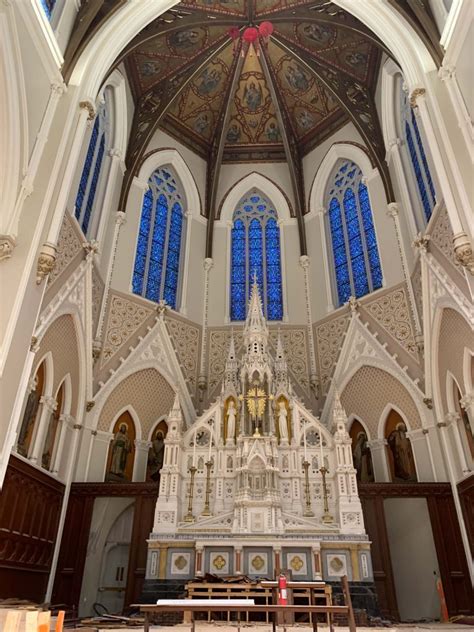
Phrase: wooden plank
{"type": "Point", "coordinates": [44, 621]}
{"type": "Point", "coordinates": [13, 621]}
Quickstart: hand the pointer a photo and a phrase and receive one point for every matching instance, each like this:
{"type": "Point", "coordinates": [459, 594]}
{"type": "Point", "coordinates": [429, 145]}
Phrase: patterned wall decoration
{"type": "Point", "coordinates": [230, 7]}
{"type": "Point", "coordinates": [455, 335]}
{"type": "Point", "coordinates": [307, 101]}
{"type": "Point", "coordinates": [442, 237]}
{"type": "Point", "coordinates": [61, 340]}
{"type": "Point", "coordinates": [125, 316]}
{"type": "Point", "coordinates": [370, 390]}
{"type": "Point", "coordinates": [294, 344]}
{"type": "Point", "coordinates": [185, 337]}
{"type": "Point", "coordinates": [97, 293]}
{"type": "Point", "coordinates": [329, 339]}
{"type": "Point", "coordinates": [417, 289]}
{"type": "Point", "coordinates": [69, 245]}
{"type": "Point", "coordinates": [392, 312]}
{"type": "Point", "coordinates": [197, 108]}
{"type": "Point", "coordinates": [147, 391]}
{"type": "Point", "coordinates": [165, 55]}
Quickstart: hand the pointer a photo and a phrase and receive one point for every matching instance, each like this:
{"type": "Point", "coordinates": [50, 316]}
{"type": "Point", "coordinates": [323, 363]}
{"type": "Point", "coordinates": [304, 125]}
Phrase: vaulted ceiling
{"type": "Point", "coordinates": [231, 102]}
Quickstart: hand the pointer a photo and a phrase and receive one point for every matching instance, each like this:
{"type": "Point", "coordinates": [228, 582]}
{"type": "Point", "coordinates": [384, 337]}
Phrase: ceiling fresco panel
{"type": "Point", "coordinates": [229, 7]}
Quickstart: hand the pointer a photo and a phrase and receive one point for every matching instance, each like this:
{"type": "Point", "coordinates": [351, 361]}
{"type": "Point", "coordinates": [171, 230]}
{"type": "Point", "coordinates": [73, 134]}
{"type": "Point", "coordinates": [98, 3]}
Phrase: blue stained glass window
{"type": "Point", "coordinates": [91, 173]}
{"type": "Point", "coordinates": [256, 251]}
{"type": "Point", "coordinates": [356, 259]}
{"type": "Point", "coordinates": [48, 7]}
{"type": "Point", "coordinates": [417, 156]}
{"type": "Point", "coordinates": [158, 253]}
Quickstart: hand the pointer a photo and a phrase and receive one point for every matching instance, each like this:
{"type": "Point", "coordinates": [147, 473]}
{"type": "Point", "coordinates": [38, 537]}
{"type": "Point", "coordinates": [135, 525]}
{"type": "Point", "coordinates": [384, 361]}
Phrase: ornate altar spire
{"type": "Point", "coordinates": [280, 366]}
{"type": "Point", "coordinates": [256, 357]}
{"type": "Point", "coordinates": [231, 370]}
{"type": "Point", "coordinates": [338, 413]}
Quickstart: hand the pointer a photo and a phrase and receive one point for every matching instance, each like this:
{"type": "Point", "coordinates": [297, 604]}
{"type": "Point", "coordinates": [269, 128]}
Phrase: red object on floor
{"type": "Point", "coordinates": [282, 591]}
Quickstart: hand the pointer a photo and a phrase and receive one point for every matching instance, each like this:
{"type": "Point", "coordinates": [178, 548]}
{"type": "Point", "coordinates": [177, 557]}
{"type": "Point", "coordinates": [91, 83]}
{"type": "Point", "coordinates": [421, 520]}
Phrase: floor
{"type": "Point", "coordinates": [222, 627]}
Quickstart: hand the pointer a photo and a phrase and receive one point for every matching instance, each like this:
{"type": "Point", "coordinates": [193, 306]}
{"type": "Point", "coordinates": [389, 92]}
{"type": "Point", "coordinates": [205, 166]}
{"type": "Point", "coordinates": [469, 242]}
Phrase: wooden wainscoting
{"type": "Point", "coordinates": [466, 496]}
{"type": "Point", "coordinates": [30, 507]}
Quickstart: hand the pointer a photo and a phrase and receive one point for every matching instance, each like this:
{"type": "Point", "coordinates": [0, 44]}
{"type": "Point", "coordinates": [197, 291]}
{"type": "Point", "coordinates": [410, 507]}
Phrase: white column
{"type": "Point", "coordinates": [313, 378]}
{"type": "Point", "coordinates": [202, 379]}
{"type": "Point", "coordinates": [462, 244]}
{"type": "Point", "coordinates": [141, 460]}
{"type": "Point", "coordinates": [394, 156]}
{"type": "Point", "coordinates": [393, 213]}
{"type": "Point", "coordinates": [183, 306]}
{"type": "Point", "coordinates": [379, 460]}
{"type": "Point", "coordinates": [447, 74]}
{"type": "Point", "coordinates": [49, 405]}
{"type": "Point", "coordinates": [117, 167]}
{"type": "Point", "coordinates": [63, 421]}
{"type": "Point", "coordinates": [467, 403]}
{"type": "Point", "coordinates": [99, 451]}
{"type": "Point", "coordinates": [321, 212]}
{"type": "Point", "coordinates": [452, 423]}
{"type": "Point", "coordinates": [119, 222]}
{"type": "Point", "coordinates": [421, 455]}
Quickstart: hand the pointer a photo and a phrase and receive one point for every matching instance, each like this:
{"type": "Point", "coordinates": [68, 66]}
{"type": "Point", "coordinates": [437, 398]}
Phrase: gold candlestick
{"type": "Point", "coordinates": [308, 512]}
{"type": "Point", "coordinates": [189, 516]}
{"type": "Point", "coordinates": [327, 518]}
{"type": "Point", "coordinates": [207, 509]}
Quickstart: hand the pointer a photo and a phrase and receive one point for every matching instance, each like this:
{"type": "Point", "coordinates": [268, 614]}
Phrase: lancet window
{"type": "Point", "coordinates": [48, 7]}
{"type": "Point", "coordinates": [159, 246]}
{"type": "Point", "coordinates": [256, 251]}
{"type": "Point", "coordinates": [357, 268]}
{"type": "Point", "coordinates": [417, 155]}
{"type": "Point", "coordinates": [91, 172]}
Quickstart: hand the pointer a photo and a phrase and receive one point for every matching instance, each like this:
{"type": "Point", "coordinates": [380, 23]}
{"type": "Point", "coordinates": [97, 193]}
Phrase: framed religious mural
{"type": "Point", "coordinates": [156, 452]}
{"type": "Point", "coordinates": [31, 412]}
{"type": "Point", "coordinates": [361, 454]}
{"type": "Point", "coordinates": [122, 450]}
{"type": "Point", "coordinates": [399, 450]}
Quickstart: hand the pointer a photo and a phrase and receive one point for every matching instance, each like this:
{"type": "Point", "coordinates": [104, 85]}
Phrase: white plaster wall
{"type": "Point", "coordinates": [64, 16]}
{"type": "Point", "coordinates": [414, 559]}
{"type": "Point", "coordinates": [464, 70]}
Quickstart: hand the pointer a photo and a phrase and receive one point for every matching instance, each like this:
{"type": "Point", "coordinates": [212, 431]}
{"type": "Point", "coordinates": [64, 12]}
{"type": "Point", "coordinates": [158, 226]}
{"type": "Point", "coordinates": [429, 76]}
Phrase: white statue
{"type": "Point", "coordinates": [231, 420]}
{"type": "Point", "coordinates": [282, 422]}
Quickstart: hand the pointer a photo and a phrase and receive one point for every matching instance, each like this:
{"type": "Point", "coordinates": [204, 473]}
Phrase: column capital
{"type": "Point", "coordinates": [91, 247]}
{"type": "Point", "coordinates": [89, 106]}
{"type": "Point", "coordinates": [208, 263]}
{"type": "Point", "coordinates": [49, 403]}
{"type": "Point", "coordinates": [34, 344]}
{"type": "Point", "coordinates": [377, 444]}
{"type": "Point", "coordinates": [463, 251]}
{"type": "Point", "coordinates": [421, 243]}
{"type": "Point", "coordinates": [115, 153]}
{"type": "Point", "coordinates": [58, 88]}
{"type": "Point", "coordinates": [304, 262]}
{"type": "Point", "coordinates": [7, 245]}
{"type": "Point", "coordinates": [393, 143]}
{"type": "Point", "coordinates": [46, 262]}
{"type": "Point", "coordinates": [142, 444]}
{"type": "Point", "coordinates": [451, 418]}
{"type": "Point", "coordinates": [467, 400]}
{"type": "Point", "coordinates": [32, 383]}
{"type": "Point", "coordinates": [393, 209]}
{"type": "Point", "coordinates": [120, 218]}
{"type": "Point", "coordinates": [417, 93]}
{"type": "Point", "coordinates": [447, 72]}
{"type": "Point", "coordinates": [67, 419]}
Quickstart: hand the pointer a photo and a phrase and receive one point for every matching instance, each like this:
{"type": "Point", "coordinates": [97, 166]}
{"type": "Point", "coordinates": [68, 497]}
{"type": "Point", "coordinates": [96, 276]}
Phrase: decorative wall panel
{"type": "Point", "coordinates": [185, 338]}
{"type": "Point", "coordinates": [69, 245]}
{"type": "Point", "coordinates": [329, 339]}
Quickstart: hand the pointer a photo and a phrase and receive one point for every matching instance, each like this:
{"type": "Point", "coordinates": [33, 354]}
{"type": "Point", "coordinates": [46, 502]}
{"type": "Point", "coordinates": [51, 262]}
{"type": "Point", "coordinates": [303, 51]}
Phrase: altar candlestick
{"type": "Point", "coordinates": [194, 448]}
{"type": "Point", "coordinates": [304, 439]}
{"type": "Point", "coordinates": [321, 448]}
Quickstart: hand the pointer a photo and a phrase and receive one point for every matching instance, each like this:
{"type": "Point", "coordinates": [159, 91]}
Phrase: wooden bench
{"type": "Point", "coordinates": [179, 606]}
{"type": "Point", "coordinates": [227, 605]}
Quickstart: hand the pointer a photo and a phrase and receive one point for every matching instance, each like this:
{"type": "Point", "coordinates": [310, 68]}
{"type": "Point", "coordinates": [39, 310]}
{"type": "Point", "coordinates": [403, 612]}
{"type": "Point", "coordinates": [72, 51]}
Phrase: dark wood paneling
{"type": "Point", "coordinates": [466, 496]}
{"type": "Point", "coordinates": [446, 533]}
{"type": "Point", "coordinates": [451, 555]}
{"type": "Point", "coordinates": [374, 517]}
{"type": "Point", "coordinates": [72, 557]}
{"type": "Point", "coordinates": [30, 507]}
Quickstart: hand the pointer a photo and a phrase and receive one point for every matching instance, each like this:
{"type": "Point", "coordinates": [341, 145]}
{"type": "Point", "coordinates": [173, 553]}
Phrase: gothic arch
{"type": "Point", "coordinates": [128, 408]}
{"type": "Point", "coordinates": [254, 180]}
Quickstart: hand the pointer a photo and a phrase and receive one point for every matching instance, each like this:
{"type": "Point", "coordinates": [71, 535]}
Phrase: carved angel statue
{"type": "Point", "coordinates": [283, 422]}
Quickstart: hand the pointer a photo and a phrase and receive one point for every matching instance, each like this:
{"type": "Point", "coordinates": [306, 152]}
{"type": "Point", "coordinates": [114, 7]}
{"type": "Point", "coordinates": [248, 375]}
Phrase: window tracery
{"type": "Point", "coordinates": [159, 244]}
{"type": "Point", "coordinates": [357, 266]}
{"type": "Point", "coordinates": [417, 156]}
{"type": "Point", "coordinates": [256, 250]}
{"type": "Point", "coordinates": [91, 172]}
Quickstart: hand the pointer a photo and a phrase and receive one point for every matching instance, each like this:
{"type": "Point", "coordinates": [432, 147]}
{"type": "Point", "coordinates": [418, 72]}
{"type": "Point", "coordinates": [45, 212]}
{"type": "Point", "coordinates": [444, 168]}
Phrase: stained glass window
{"type": "Point", "coordinates": [91, 171]}
{"type": "Point", "coordinates": [255, 251]}
{"type": "Point", "coordinates": [48, 6]}
{"type": "Point", "coordinates": [158, 253]}
{"type": "Point", "coordinates": [357, 268]}
{"type": "Point", "coordinates": [416, 152]}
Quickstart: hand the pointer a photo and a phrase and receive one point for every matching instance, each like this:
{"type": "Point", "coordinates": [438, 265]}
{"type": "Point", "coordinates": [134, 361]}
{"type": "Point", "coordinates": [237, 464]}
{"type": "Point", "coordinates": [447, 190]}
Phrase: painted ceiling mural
{"type": "Point", "coordinates": [253, 126]}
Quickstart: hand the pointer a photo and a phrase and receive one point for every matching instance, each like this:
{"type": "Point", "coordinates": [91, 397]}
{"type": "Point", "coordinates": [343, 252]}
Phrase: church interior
{"type": "Point", "coordinates": [237, 300]}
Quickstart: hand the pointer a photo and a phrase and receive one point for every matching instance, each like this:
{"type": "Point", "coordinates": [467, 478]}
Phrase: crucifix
{"type": "Point", "coordinates": [256, 400]}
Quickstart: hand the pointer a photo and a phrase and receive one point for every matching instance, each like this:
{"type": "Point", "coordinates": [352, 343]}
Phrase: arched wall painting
{"type": "Point", "coordinates": [361, 454]}
{"type": "Point", "coordinates": [465, 426]}
{"type": "Point", "coordinates": [53, 423]}
{"type": "Point", "coordinates": [31, 413]}
{"type": "Point", "coordinates": [122, 450]}
{"type": "Point", "coordinates": [156, 452]}
{"type": "Point", "coordinates": [399, 450]}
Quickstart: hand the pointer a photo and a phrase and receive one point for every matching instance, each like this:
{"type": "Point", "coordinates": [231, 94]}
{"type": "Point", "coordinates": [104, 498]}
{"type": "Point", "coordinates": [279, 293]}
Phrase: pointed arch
{"type": "Point", "coordinates": [258, 182]}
